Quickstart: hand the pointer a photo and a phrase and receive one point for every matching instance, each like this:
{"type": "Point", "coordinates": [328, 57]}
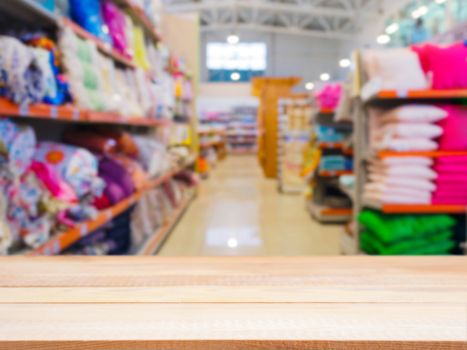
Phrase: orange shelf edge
{"type": "Point", "coordinates": [431, 154]}
{"type": "Point", "coordinates": [422, 94]}
{"type": "Point", "coordinates": [65, 239]}
{"type": "Point", "coordinates": [72, 113]}
{"type": "Point", "coordinates": [423, 209]}
{"type": "Point", "coordinates": [336, 211]}
{"type": "Point", "coordinates": [335, 173]}
{"type": "Point", "coordinates": [326, 111]}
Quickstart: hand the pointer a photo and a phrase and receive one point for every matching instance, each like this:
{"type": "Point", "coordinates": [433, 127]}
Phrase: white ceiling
{"type": "Point", "coordinates": [333, 19]}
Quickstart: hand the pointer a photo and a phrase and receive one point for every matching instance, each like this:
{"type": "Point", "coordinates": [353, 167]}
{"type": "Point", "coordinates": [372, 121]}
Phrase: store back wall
{"type": "Point", "coordinates": [288, 55]}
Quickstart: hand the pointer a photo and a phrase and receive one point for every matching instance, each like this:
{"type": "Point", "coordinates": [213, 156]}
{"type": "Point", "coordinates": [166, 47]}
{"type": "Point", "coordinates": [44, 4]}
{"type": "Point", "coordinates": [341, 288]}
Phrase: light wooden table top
{"type": "Point", "coordinates": [233, 303]}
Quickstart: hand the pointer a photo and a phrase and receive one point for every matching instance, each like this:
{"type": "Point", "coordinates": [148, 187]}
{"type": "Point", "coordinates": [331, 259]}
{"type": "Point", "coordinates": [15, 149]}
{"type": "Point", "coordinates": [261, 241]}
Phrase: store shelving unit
{"type": "Point", "coordinates": [294, 122]}
{"type": "Point", "coordinates": [154, 242]}
{"type": "Point", "coordinates": [33, 13]}
{"type": "Point", "coordinates": [61, 241]}
{"type": "Point", "coordinates": [242, 130]}
{"type": "Point", "coordinates": [388, 99]}
{"type": "Point", "coordinates": [321, 180]}
{"type": "Point", "coordinates": [70, 113]}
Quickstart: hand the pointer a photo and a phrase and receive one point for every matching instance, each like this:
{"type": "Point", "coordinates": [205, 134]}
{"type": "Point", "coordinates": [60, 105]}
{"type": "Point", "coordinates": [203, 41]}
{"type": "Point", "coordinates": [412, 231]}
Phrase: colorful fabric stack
{"type": "Point", "coordinates": [401, 180]}
{"type": "Point", "coordinates": [47, 186]}
{"type": "Point", "coordinates": [21, 77]}
{"type": "Point", "coordinates": [329, 96]}
{"type": "Point", "coordinates": [406, 128]}
{"type": "Point", "coordinates": [406, 234]}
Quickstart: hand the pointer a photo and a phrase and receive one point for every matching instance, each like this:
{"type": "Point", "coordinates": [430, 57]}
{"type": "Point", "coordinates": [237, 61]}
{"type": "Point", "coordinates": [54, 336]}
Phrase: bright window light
{"type": "Point", "coordinates": [325, 77]}
{"type": "Point", "coordinates": [344, 63]}
{"type": "Point", "coordinates": [243, 56]}
{"type": "Point", "coordinates": [419, 12]}
{"type": "Point", "coordinates": [309, 86]}
{"type": "Point", "coordinates": [383, 39]}
{"type": "Point", "coordinates": [235, 76]}
{"type": "Point", "coordinates": [392, 28]}
{"type": "Point", "coordinates": [233, 39]}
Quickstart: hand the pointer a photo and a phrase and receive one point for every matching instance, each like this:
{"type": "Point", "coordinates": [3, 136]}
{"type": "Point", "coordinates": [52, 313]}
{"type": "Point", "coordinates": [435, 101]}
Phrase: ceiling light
{"type": "Point", "coordinates": [235, 76]}
{"type": "Point", "coordinates": [233, 39]}
{"type": "Point", "coordinates": [392, 28]}
{"type": "Point", "coordinates": [309, 86]}
{"type": "Point", "coordinates": [232, 243]}
{"type": "Point", "coordinates": [422, 10]}
{"type": "Point", "coordinates": [344, 63]}
{"type": "Point", "coordinates": [383, 39]}
{"type": "Point", "coordinates": [325, 77]}
{"type": "Point", "coordinates": [440, 1]}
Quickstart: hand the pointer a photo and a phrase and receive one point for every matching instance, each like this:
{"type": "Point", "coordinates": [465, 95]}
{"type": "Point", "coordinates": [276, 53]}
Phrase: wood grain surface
{"type": "Point", "coordinates": [233, 303]}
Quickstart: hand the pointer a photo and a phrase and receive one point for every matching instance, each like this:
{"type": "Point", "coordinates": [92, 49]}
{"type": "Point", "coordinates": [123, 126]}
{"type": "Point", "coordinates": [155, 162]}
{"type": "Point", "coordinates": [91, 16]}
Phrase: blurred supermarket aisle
{"type": "Point", "coordinates": [239, 212]}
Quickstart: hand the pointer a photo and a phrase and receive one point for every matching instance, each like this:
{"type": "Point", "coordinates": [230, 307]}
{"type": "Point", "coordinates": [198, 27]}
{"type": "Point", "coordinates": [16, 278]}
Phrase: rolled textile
{"type": "Point", "coordinates": [91, 141]}
{"type": "Point", "coordinates": [151, 154]}
{"type": "Point", "coordinates": [17, 147]}
{"type": "Point", "coordinates": [124, 140]}
{"type": "Point", "coordinates": [119, 183]}
{"type": "Point", "coordinates": [115, 20]}
{"type": "Point", "coordinates": [20, 75]}
{"type": "Point", "coordinates": [77, 166]}
{"type": "Point", "coordinates": [138, 175]}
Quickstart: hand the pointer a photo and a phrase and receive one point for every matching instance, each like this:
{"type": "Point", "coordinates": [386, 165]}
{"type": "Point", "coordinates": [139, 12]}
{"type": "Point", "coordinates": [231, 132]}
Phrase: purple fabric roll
{"type": "Point", "coordinates": [119, 182]}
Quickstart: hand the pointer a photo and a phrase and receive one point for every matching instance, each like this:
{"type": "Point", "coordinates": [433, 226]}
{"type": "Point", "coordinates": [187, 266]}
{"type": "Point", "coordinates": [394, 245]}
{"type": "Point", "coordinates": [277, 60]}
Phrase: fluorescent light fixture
{"type": "Point", "coordinates": [419, 12]}
{"type": "Point", "coordinates": [440, 1]}
{"type": "Point", "coordinates": [309, 86]}
{"type": "Point", "coordinates": [325, 76]}
{"type": "Point", "coordinates": [235, 76]}
{"type": "Point", "coordinates": [392, 28]}
{"type": "Point", "coordinates": [344, 63]}
{"type": "Point", "coordinates": [233, 39]}
{"type": "Point", "coordinates": [383, 39]}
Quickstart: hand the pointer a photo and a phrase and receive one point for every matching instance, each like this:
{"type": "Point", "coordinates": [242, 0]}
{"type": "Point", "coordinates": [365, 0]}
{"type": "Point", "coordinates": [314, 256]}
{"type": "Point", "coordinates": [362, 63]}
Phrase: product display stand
{"type": "Point", "coordinates": [269, 91]}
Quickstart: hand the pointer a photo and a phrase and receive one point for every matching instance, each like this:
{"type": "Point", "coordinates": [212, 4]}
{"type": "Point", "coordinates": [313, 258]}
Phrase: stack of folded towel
{"type": "Point", "coordinates": [406, 234]}
{"type": "Point", "coordinates": [401, 180]}
{"type": "Point", "coordinates": [406, 128]}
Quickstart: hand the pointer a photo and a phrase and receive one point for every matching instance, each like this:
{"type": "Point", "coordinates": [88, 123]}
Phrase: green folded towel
{"type": "Point", "coordinates": [391, 228]}
{"type": "Point", "coordinates": [436, 243]}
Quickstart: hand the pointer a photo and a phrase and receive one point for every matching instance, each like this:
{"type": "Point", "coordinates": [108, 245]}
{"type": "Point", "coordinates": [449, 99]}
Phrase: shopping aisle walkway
{"type": "Point", "coordinates": [238, 212]}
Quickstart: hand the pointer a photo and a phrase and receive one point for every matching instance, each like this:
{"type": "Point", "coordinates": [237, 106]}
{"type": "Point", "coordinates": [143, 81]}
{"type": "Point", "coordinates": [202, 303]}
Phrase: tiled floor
{"type": "Point", "coordinates": [239, 212]}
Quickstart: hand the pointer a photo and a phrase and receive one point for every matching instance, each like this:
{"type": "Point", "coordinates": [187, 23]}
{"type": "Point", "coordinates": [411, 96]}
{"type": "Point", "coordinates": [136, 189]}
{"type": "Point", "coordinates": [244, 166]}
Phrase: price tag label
{"type": "Point", "coordinates": [54, 112]}
{"type": "Point", "coordinates": [75, 115]}
{"type": "Point", "coordinates": [83, 230]}
{"type": "Point", "coordinates": [24, 110]}
{"type": "Point", "coordinates": [402, 93]}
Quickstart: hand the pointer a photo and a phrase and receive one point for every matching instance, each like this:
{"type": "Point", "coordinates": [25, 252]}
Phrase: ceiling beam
{"type": "Point", "coordinates": [304, 9]}
{"type": "Point", "coordinates": [281, 30]}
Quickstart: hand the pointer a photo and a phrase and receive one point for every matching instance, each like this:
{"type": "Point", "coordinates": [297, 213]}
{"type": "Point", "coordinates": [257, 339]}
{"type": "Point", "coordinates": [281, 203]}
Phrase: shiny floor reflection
{"type": "Point", "coordinates": [239, 212]}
